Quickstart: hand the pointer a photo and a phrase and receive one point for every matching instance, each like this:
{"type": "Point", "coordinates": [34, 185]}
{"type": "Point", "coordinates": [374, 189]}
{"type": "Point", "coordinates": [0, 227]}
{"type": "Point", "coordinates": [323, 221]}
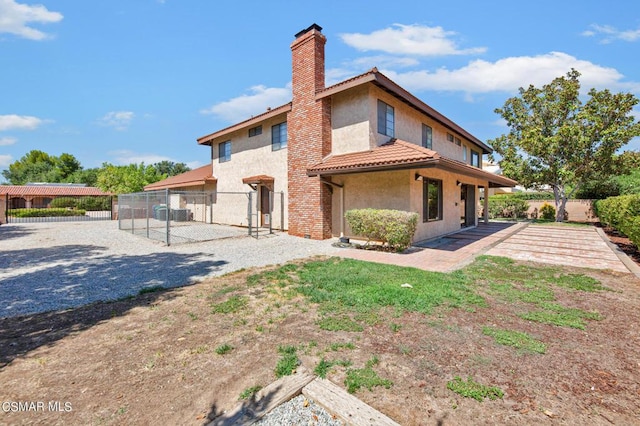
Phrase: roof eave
{"type": "Point", "coordinates": [207, 140]}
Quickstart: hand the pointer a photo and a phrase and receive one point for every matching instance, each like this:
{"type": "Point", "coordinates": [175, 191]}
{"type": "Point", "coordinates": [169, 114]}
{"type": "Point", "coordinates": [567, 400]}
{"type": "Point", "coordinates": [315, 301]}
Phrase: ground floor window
{"type": "Point", "coordinates": [432, 200]}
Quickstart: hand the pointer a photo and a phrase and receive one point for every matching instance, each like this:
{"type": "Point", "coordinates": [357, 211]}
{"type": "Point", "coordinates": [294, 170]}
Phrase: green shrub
{"type": "Point", "coordinates": [527, 196]}
{"type": "Point", "coordinates": [63, 202]}
{"type": "Point", "coordinates": [548, 212]}
{"type": "Point", "coordinates": [394, 228]}
{"type": "Point", "coordinates": [94, 203]}
{"type": "Point", "coordinates": [621, 213]}
{"type": "Point", "coordinates": [45, 212]}
{"type": "Point", "coordinates": [507, 206]}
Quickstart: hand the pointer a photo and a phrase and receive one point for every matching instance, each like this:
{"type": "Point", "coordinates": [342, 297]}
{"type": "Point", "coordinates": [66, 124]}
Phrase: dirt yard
{"type": "Point", "coordinates": [160, 358]}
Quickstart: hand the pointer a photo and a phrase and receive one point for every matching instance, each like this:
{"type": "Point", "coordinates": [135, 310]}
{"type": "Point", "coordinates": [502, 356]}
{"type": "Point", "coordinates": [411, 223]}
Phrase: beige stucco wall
{"type": "Point", "coordinates": [408, 126]}
{"type": "Point", "coordinates": [249, 157]}
{"type": "Point", "coordinates": [350, 112]}
{"type": "Point", "coordinates": [399, 190]}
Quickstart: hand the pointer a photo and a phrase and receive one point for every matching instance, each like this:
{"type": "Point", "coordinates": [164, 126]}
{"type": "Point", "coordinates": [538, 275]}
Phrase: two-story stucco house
{"type": "Point", "coordinates": [364, 142]}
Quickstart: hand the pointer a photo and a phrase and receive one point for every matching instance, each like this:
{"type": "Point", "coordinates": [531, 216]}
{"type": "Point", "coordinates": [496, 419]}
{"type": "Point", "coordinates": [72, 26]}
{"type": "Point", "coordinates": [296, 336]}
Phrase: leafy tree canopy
{"type": "Point", "coordinates": [38, 166]}
{"type": "Point", "coordinates": [169, 168]}
{"type": "Point", "coordinates": [126, 179]}
{"type": "Point", "coordinates": [557, 140]}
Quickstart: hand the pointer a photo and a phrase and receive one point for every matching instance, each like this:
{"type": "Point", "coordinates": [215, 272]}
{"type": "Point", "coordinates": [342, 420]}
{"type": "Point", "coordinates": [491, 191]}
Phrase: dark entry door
{"type": "Point", "coordinates": [467, 205]}
{"type": "Point", "coordinates": [265, 216]}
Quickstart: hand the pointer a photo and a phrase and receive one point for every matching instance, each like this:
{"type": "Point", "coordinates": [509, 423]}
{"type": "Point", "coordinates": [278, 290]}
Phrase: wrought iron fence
{"type": "Point", "coordinates": [56, 209]}
{"type": "Point", "coordinates": [175, 217]}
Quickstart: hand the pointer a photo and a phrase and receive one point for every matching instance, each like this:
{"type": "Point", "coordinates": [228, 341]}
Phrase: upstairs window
{"type": "Point", "coordinates": [475, 158]}
{"type": "Point", "coordinates": [255, 131]}
{"type": "Point", "coordinates": [432, 200]}
{"type": "Point", "coordinates": [465, 156]}
{"type": "Point", "coordinates": [279, 136]}
{"type": "Point", "coordinates": [449, 137]}
{"type": "Point", "coordinates": [386, 119]}
{"type": "Point", "coordinates": [427, 136]}
{"type": "Point", "coordinates": [224, 152]}
{"type": "Point", "coordinates": [458, 141]}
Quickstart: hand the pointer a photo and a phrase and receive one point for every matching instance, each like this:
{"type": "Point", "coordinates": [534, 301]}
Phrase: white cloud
{"type": "Point", "coordinates": [246, 106]}
{"type": "Point", "coordinates": [5, 160]}
{"type": "Point", "coordinates": [15, 18]}
{"type": "Point", "coordinates": [119, 120]}
{"type": "Point", "coordinates": [414, 39]}
{"type": "Point", "coordinates": [13, 121]}
{"type": "Point", "coordinates": [508, 74]}
{"type": "Point", "coordinates": [610, 34]}
{"type": "Point", "coordinates": [125, 156]}
{"type": "Point", "coordinates": [7, 140]}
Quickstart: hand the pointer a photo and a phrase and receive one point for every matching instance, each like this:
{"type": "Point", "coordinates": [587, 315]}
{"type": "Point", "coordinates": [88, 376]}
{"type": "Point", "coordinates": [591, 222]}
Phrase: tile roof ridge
{"type": "Point", "coordinates": [413, 146]}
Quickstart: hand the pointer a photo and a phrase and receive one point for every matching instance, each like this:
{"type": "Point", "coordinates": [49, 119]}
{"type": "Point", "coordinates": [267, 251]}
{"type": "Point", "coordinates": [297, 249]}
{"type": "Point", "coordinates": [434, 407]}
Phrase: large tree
{"type": "Point", "coordinates": [556, 140]}
{"type": "Point", "coordinates": [169, 168]}
{"type": "Point", "coordinates": [126, 179]}
{"type": "Point", "coordinates": [38, 166]}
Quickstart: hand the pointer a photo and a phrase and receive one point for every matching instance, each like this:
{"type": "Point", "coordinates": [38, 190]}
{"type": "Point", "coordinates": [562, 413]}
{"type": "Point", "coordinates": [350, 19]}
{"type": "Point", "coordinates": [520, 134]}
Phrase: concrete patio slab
{"type": "Point", "coordinates": [554, 244]}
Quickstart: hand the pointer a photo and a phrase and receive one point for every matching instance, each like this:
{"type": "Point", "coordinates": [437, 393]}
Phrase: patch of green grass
{"type": "Point", "coordinates": [395, 327]}
{"type": "Point", "coordinates": [230, 306]}
{"type": "Point", "coordinates": [339, 346]}
{"type": "Point", "coordinates": [192, 316]}
{"type": "Point", "coordinates": [372, 286]}
{"type": "Point", "coordinates": [552, 313]}
{"type": "Point", "coordinates": [580, 282]}
{"type": "Point", "coordinates": [322, 368]}
{"type": "Point", "coordinates": [249, 392]}
{"type": "Point", "coordinates": [365, 377]}
{"type": "Point", "coordinates": [473, 389]}
{"type": "Point", "coordinates": [511, 293]}
{"type": "Point", "coordinates": [223, 291]}
{"type": "Point", "coordinates": [516, 339]}
{"type": "Point", "coordinates": [152, 289]}
{"type": "Point", "coordinates": [288, 361]}
{"type": "Point", "coordinates": [339, 323]}
{"type": "Point", "coordinates": [223, 349]}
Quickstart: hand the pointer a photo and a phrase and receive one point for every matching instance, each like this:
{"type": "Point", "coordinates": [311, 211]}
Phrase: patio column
{"type": "Point", "coordinates": [486, 204]}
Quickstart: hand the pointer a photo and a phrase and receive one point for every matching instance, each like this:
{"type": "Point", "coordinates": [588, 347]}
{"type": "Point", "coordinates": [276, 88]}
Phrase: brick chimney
{"type": "Point", "coordinates": [309, 138]}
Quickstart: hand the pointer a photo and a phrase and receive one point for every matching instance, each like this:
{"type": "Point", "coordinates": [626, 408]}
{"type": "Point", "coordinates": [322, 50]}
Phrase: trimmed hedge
{"type": "Point", "coordinates": [85, 203]}
{"type": "Point", "coordinates": [621, 213]}
{"type": "Point", "coordinates": [54, 212]}
{"type": "Point", "coordinates": [394, 228]}
{"type": "Point", "coordinates": [526, 195]}
{"type": "Point", "coordinates": [507, 206]}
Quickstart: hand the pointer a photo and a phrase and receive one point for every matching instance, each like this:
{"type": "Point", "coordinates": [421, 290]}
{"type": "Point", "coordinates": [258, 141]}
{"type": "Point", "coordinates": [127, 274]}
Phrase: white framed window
{"type": "Point", "coordinates": [224, 152]}
{"type": "Point", "coordinates": [279, 136]}
{"type": "Point", "coordinates": [427, 136]}
{"type": "Point", "coordinates": [386, 119]}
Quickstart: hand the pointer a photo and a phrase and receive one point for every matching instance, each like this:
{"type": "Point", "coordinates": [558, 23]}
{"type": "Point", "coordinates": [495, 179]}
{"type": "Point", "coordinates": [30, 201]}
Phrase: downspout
{"type": "Point", "coordinates": [341, 187]}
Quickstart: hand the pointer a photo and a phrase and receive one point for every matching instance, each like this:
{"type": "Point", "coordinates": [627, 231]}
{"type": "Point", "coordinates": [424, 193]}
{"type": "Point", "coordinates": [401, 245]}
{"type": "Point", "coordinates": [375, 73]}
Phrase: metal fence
{"type": "Point", "coordinates": [56, 209]}
{"type": "Point", "coordinates": [175, 217]}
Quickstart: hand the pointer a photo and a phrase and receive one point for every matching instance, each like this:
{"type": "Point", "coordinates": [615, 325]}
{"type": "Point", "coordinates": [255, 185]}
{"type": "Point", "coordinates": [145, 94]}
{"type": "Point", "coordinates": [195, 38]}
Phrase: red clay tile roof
{"type": "Point", "coordinates": [397, 155]}
{"type": "Point", "coordinates": [49, 190]}
{"type": "Point", "coordinates": [259, 179]}
{"type": "Point", "coordinates": [194, 177]}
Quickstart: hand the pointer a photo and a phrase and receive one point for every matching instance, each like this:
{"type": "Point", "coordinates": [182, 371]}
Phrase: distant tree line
{"type": "Point", "coordinates": [38, 166]}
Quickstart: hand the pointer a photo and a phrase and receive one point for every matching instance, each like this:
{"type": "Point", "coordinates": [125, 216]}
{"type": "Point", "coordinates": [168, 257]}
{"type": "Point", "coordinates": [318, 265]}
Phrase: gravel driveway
{"type": "Point", "coordinates": [50, 266]}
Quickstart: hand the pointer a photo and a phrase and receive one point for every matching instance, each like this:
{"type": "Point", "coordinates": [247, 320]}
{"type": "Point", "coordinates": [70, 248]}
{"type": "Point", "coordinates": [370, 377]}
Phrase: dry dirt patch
{"type": "Point", "coordinates": [154, 358]}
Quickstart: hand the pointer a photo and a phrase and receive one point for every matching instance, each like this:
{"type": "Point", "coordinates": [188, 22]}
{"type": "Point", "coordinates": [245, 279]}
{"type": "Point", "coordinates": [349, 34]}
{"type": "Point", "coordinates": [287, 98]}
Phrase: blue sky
{"type": "Point", "coordinates": [124, 81]}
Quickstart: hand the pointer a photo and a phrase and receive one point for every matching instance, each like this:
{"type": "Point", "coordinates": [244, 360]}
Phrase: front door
{"type": "Point", "coordinates": [467, 205]}
{"type": "Point", "coordinates": [265, 215]}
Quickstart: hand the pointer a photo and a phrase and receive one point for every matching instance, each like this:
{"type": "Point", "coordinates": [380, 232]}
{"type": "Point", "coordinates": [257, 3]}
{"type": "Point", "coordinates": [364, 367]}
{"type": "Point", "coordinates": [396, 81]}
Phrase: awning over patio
{"type": "Point", "coordinates": [258, 180]}
{"type": "Point", "coordinates": [401, 155]}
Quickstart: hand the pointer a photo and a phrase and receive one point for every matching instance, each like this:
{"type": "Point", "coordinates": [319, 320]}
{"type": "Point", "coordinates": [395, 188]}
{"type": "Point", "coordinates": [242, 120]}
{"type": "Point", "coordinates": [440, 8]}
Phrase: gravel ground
{"type": "Point", "coordinates": [299, 411]}
{"type": "Point", "coordinates": [51, 266]}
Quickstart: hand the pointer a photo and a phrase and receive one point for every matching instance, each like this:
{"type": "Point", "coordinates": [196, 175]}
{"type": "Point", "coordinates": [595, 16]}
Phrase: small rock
{"type": "Point", "coordinates": [549, 413]}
